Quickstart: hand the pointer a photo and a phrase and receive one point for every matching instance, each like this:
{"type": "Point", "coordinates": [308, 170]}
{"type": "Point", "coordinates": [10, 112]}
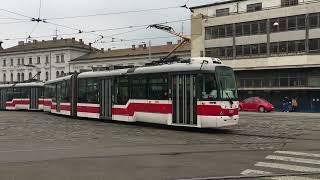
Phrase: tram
{"type": "Point", "coordinates": [199, 92]}
{"type": "Point", "coordinates": [21, 96]}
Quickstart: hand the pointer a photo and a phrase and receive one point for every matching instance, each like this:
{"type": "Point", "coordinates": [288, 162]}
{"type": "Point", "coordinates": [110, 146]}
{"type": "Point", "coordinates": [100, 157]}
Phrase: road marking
{"type": "Point", "coordinates": [298, 153]}
{"type": "Point", "coordinates": [293, 159]}
{"type": "Point", "coordinates": [291, 178]}
{"type": "Point", "coordinates": [288, 167]}
{"type": "Point", "coordinates": [250, 172]}
{"type": "Point", "coordinates": [31, 150]}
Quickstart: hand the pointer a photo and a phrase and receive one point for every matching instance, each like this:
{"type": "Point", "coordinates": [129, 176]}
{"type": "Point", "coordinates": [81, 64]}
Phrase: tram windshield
{"type": "Point", "coordinates": [227, 83]}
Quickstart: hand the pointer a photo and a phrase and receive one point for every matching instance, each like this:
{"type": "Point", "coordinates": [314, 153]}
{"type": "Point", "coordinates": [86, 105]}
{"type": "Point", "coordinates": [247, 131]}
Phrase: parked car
{"type": "Point", "coordinates": [256, 104]}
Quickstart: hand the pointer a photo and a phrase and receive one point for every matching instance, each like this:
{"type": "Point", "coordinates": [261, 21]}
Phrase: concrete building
{"type": "Point", "coordinates": [274, 46]}
{"type": "Point", "coordinates": [48, 58]}
{"type": "Point", "coordinates": [135, 56]}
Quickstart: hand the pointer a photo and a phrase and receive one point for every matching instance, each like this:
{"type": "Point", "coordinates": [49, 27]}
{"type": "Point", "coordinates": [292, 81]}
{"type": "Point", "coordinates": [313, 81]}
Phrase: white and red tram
{"type": "Point", "coordinates": [200, 93]}
{"type": "Point", "coordinates": [21, 96]}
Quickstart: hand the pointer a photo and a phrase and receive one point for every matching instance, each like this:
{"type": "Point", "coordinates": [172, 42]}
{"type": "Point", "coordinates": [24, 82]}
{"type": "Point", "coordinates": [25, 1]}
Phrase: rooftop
{"type": "Point", "coordinates": [134, 51]}
{"type": "Point", "coordinates": [51, 44]}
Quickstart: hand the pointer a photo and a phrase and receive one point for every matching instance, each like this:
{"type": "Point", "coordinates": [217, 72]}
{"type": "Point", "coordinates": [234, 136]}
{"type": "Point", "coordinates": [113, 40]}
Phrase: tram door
{"type": "Point", "coordinates": [58, 100]}
{"type": "Point", "coordinates": [184, 101]}
{"type": "Point", "coordinates": [34, 96]}
{"type": "Point", "coordinates": [106, 99]}
{"type": "Point", "coordinates": [3, 95]}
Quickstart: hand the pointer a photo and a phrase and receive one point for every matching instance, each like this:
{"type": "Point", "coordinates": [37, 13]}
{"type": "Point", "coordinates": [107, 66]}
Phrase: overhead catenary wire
{"type": "Point", "coordinates": [114, 13]}
{"type": "Point", "coordinates": [101, 30]}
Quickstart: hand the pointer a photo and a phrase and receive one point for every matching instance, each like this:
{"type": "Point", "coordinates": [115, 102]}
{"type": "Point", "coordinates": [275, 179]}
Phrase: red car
{"type": "Point", "coordinates": [256, 104]}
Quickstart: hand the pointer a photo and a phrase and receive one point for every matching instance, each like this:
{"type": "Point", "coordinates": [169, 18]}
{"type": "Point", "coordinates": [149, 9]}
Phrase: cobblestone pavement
{"type": "Point", "coordinates": [36, 145]}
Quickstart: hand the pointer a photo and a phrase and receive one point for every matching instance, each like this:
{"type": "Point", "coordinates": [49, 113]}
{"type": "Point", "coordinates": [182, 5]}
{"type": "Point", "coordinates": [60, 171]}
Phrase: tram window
{"type": "Point", "coordinates": [82, 94]}
{"type": "Point", "coordinates": [10, 95]}
{"type": "Point", "coordinates": [138, 88]}
{"type": "Point", "coordinates": [92, 91]}
{"type": "Point", "coordinates": [64, 92]}
{"type": "Point", "coordinates": [53, 92]}
{"type": "Point", "coordinates": [122, 90]}
{"type": "Point", "coordinates": [208, 87]}
{"type": "Point", "coordinates": [158, 88]}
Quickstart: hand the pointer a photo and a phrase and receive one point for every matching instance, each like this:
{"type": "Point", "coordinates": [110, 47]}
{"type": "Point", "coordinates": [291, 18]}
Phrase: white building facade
{"type": "Point", "coordinates": [273, 45]}
{"type": "Point", "coordinates": [48, 59]}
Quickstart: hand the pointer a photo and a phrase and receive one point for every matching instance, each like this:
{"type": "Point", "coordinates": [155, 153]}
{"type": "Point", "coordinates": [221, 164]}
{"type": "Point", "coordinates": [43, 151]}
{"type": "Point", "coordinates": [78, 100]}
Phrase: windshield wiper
{"type": "Point", "coordinates": [230, 100]}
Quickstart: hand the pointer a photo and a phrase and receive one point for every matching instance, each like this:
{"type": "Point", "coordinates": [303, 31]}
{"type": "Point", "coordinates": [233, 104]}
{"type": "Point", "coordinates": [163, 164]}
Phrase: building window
{"type": "Point", "coordinates": [254, 28]}
{"type": "Point", "coordinates": [263, 27]}
{"type": "Point", "coordinates": [208, 31]}
{"type": "Point", "coordinates": [314, 45]}
{"type": "Point", "coordinates": [30, 60]}
{"type": "Point", "coordinates": [22, 61]}
{"type": "Point", "coordinates": [283, 47]}
{"type": "Point", "coordinates": [282, 24]}
{"type": "Point", "coordinates": [47, 59]}
{"type": "Point", "coordinates": [292, 47]}
{"type": "Point", "coordinates": [4, 78]}
{"type": "Point", "coordinates": [22, 77]}
{"type": "Point", "coordinates": [11, 78]}
{"type": "Point", "coordinates": [62, 58]}
{"type": "Point", "coordinates": [273, 27]}
{"type": "Point", "coordinates": [11, 62]}
{"type": "Point", "coordinates": [38, 60]}
{"type": "Point", "coordinates": [57, 74]}
{"type": "Point", "coordinates": [4, 62]}
{"type": "Point", "coordinates": [301, 21]}
{"type": "Point", "coordinates": [57, 59]}
{"type": "Point", "coordinates": [229, 30]}
{"type": "Point", "coordinates": [292, 23]}
{"type": "Point", "coordinates": [222, 12]}
{"type": "Point", "coordinates": [239, 51]}
{"type": "Point", "coordinates": [289, 2]}
{"type": "Point", "coordinates": [239, 31]}
{"type": "Point", "coordinates": [274, 48]}
{"type": "Point", "coordinates": [47, 76]}
{"type": "Point", "coordinates": [62, 73]}
{"type": "Point", "coordinates": [222, 31]}
{"type": "Point", "coordinates": [314, 20]}
{"type": "Point", "coordinates": [254, 49]}
{"type": "Point", "coordinates": [301, 46]}
{"type": "Point", "coordinates": [246, 50]}
{"type": "Point", "coordinates": [254, 7]}
{"type": "Point", "coordinates": [18, 61]}
{"type": "Point", "coordinates": [246, 28]}
{"type": "Point", "coordinates": [18, 77]}
{"type": "Point", "coordinates": [262, 49]}
{"type": "Point", "coordinates": [30, 75]}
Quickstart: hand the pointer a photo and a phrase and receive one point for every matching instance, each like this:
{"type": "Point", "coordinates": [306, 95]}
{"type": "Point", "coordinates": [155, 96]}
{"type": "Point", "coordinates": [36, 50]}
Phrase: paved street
{"type": "Point", "coordinates": [35, 145]}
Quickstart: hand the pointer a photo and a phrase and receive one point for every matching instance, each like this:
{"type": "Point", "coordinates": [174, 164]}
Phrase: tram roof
{"type": "Point", "coordinates": [31, 84]}
{"type": "Point", "coordinates": [59, 79]}
{"type": "Point", "coordinates": [194, 65]}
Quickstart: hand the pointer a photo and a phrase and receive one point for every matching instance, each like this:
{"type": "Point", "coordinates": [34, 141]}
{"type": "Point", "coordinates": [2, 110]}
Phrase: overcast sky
{"type": "Point", "coordinates": [62, 8]}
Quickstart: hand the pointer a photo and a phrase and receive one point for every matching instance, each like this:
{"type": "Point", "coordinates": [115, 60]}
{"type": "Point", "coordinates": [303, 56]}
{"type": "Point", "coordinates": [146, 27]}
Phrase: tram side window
{"type": "Point", "coordinates": [53, 92]}
{"type": "Point", "coordinates": [207, 87]}
{"type": "Point", "coordinates": [92, 91]}
{"type": "Point", "coordinates": [21, 93]}
{"type": "Point", "coordinates": [64, 92]}
{"type": "Point", "coordinates": [138, 88]}
{"type": "Point", "coordinates": [88, 91]}
{"type": "Point", "coordinates": [122, 90]}
{"type": "Point", "coordinates": [158, 88]}
{"type": "Point", "coordinates": [82, 95]}
{"type": "Point", "coordinates": [10, 94]}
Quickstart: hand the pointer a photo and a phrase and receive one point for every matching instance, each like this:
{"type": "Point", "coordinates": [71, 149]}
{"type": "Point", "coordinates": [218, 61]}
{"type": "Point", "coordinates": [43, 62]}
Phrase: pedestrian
{"type": "Point", "coordinates": [294, 104]}
{"type": "Point", "coordinates": [286, 104]}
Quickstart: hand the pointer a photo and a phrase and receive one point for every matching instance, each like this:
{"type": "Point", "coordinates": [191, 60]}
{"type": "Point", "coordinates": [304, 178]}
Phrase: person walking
{"type": "Point", "coordinates": [294, 104]}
